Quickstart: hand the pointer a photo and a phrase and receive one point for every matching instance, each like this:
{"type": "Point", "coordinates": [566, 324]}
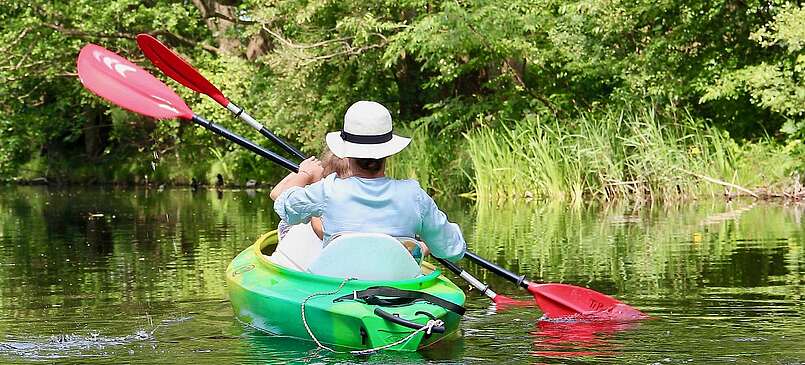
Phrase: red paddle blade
{"type": "Point", "coordinates": [562, 300]}
{"type": "Point", "coordinates": [177, 68]}
{"type": "Point", "coordinates": [504, 302]}
{"type": "Point", "coordinates": [116, 79]}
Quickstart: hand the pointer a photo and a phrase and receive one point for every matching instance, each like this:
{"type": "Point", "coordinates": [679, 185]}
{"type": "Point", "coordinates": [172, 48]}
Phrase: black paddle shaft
{"type": "Point", "coordinates": [246, 143]}
{"type": "Point", "coordinates": [508, 275]}
{"type": "Point", "coordinates": [281, 142]}
{"type": "Point", "coordinates": [453, 267]}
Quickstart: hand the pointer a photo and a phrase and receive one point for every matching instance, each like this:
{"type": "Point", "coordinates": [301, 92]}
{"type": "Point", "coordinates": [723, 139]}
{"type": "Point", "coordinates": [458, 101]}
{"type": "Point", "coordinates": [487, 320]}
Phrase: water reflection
{"type": "Point", "coordinates": [576, 339]}
{"type": "Point", "coordinates": [98, 266]}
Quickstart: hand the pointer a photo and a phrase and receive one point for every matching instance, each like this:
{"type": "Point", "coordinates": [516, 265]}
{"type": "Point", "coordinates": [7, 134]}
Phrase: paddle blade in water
{"type": "Point", "coordinates": [177, 68]}
{"type": "Point", "coordinates": [562, 300]}
{"type": "Point", "coordinates": [504, 302]}
{"type": "Point", "coordinates": [116, 79]}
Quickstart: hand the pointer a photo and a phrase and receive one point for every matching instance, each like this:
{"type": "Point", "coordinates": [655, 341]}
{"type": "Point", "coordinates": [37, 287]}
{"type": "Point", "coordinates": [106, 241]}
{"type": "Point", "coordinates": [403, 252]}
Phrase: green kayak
{"type": "Point", "coordinates": [403, 315]}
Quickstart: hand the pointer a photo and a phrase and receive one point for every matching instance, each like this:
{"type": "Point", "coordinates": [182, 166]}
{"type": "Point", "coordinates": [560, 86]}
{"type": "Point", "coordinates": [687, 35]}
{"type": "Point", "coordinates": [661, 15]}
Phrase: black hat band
{"type": "Point", "coordinates": [361, 139]}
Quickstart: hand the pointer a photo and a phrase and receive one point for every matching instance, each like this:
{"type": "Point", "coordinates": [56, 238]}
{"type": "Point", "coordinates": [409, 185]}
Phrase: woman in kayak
{"type": "Point", "coordinates": [367, 201]}
{"type": "Point", "coordinates": [331, 164]}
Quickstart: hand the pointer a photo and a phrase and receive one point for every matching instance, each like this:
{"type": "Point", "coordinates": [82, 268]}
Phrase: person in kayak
{"type": "Point", "coordinates": [367, 201]}
{"type": "Point", "coordinates": [331, 164]}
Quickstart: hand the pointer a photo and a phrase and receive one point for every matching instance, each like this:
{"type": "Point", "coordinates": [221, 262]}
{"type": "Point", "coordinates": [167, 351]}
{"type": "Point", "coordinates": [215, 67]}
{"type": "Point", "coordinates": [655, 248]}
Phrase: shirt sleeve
{"type": "Point", "coordinates": [297, 205]}
{"type": "Point", "coordinates": [444, 239]}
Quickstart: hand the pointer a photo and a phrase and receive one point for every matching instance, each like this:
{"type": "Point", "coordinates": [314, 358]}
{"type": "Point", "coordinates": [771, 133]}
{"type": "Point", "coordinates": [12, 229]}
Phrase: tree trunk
{"type": "Point", "coordinates": [95, 133]}
{"type": "Point", "coordinates": [219, 15]}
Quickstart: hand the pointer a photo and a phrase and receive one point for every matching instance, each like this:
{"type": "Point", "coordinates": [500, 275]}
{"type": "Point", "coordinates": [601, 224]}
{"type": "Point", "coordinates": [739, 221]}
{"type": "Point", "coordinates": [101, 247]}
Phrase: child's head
{"type": "Point", "coordinates": [332, 163]}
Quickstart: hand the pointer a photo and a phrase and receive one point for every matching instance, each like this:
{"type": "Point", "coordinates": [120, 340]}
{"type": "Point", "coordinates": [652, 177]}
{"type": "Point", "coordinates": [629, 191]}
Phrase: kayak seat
{"type": "Point", "coordinates": [298, 248]}
{"type": "Point", "coordinates": [366, 256]}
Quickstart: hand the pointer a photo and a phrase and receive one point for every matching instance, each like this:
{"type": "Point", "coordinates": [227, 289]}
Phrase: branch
{"type": "Point", "coordinates": [348, 52]}
{"type": "Point", "coordinates": [223, 16]}
{"type": "Point", "coordinates": [290, 44]}
{"type": "Point", "coordinates": [84, 34]}
{"type": "Point", "coordinates": [186, 41]}
{"type": "Point", "coordinates": [720, 182]}
{"type": "Point", "coordinates": [519, 79]}
{"type": "Point", "coordinates": [15, 41]}
{"type": "Point", "coordinates": [348, 49]}
{"type": "Point", "coordinates": [117, 35]}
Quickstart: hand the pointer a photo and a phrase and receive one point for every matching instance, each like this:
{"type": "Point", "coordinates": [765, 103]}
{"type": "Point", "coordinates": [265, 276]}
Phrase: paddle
{"type": "Point", "coordinates": [498, 299]}
{"type": "Point", "coordinates": [180, 70]}
{"type": "Point", "coordinates": [563, 300]}
{"type": "Point", "coordinates": [121, 82]}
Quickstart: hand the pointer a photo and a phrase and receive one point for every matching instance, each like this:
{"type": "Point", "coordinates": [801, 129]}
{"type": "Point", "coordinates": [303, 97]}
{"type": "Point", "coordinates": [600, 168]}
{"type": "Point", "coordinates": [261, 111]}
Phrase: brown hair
{"type": "Point", "coordinates": [332, 163]}
{"type": "Point", "coordinates": [371, 165]}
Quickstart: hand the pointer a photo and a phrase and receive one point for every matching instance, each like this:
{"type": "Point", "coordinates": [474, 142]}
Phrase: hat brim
{"type": "Point", "coordinates": [344, 149]}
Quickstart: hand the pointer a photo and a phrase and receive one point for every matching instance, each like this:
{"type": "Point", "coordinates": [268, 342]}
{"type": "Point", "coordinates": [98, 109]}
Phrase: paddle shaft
{"type": "Point", "coordinates": [184, 73]}
{"type": "Point", "coordinates": [243, 142]}
{"type": "Point", "coordinates": [477, 284]}
{"type": "Point", "coordinates": [240, 113]}
{"type": "Point", "coordinates": [506, 274]}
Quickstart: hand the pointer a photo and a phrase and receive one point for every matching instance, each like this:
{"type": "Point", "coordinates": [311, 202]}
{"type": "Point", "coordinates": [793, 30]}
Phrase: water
{"type": "Point", "coordinates": [137, 276]}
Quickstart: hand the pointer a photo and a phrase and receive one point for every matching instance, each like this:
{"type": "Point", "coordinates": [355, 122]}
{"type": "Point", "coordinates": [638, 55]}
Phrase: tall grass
{"type": "Point", "coordinates": [629, 153]}
{"type": "Point", "coordinates": [431, 160]}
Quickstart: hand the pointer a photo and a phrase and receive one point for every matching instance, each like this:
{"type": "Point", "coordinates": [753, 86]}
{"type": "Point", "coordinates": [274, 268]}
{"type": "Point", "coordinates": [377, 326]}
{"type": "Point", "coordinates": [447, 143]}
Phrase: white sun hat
{"type": "Point", "coordinates": [366, 134]}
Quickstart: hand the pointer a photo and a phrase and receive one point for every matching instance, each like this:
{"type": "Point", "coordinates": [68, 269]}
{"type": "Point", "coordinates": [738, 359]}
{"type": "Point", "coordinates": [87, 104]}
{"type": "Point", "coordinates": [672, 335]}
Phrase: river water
{"type": "Point", "coordinates": [137, 276]}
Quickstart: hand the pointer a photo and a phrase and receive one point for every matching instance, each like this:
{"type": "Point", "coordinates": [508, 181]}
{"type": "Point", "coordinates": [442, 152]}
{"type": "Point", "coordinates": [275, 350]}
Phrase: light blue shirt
{"type": "Point", "coordinates": [399, 208]}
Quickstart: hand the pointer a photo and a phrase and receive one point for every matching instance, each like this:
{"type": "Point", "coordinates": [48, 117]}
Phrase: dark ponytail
{"type": "Point", "coordinates": [370, 165]}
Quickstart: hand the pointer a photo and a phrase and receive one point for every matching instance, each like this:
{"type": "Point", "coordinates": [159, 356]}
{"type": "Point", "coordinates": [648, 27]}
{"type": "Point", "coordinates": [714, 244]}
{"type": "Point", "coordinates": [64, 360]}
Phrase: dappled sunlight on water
{"type": "Point", "coordinates": [116, 276]}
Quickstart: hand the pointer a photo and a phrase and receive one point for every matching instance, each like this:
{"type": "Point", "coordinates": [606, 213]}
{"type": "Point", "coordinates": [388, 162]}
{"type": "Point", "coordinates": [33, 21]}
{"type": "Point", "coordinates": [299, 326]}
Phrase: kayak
{"type": "Point", "coordinates": [352, 314]}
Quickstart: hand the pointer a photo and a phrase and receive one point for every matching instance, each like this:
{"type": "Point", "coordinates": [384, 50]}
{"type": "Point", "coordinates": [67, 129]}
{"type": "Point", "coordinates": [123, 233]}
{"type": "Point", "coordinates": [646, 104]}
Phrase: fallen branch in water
{"type": "Point", "coordinates": [721, 182]}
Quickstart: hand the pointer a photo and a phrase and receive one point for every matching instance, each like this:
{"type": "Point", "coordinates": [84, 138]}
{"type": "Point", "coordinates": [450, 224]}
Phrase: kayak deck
{"type": "Point", "coordinates": [269, 297]}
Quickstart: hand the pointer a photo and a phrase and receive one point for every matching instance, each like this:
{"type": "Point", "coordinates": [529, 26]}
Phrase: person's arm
{"type": "Point", "coordinates": [318, 227]}
{"type": "Point", "coordinates": [295, 204]}
{"type": "Point", "coordinates": [443, 238]}
{"type": "Point", "coordinates": [310, 171]}
{"type": "Point", "coordinates": [281, 186]}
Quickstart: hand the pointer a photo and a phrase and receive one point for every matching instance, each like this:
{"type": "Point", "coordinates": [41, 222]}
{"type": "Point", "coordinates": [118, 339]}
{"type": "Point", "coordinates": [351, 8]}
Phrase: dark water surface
{"type": "Point", "coordinates": [136, 276]}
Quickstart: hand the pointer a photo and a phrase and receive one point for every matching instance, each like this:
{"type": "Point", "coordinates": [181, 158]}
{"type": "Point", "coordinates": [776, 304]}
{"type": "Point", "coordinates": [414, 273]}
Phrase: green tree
{"type": "Point", "coordinates": [775, 82]}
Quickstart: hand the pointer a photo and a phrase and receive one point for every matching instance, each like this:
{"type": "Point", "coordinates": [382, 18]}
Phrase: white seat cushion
{"type": "Point", "coordinates": [298, 249]}
{"type": "Point", "coordinates": [366, 256]}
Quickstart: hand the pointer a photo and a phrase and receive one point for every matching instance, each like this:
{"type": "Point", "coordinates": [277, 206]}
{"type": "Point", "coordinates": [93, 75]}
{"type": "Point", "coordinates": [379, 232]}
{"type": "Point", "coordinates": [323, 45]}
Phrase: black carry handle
{"type": "Point", "coordinates": [404, 322]}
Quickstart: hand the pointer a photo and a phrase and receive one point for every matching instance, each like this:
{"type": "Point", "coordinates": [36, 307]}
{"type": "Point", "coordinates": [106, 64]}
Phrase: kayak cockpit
{"type": "Point", "coordinates": [364, 256]}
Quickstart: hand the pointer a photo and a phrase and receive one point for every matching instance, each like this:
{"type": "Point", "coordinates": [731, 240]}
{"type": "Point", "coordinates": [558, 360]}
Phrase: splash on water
{"type": "Point", "coordinates": [72, 345]}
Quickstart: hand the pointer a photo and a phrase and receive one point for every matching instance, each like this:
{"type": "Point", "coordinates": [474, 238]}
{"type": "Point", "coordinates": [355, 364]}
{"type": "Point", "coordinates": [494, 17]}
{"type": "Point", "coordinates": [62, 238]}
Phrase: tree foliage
{"type": "Point", "coordinates": [442, 66]}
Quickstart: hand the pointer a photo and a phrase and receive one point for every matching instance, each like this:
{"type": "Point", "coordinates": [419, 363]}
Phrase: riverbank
{"type": "Point", "coordinates": [640, 154]}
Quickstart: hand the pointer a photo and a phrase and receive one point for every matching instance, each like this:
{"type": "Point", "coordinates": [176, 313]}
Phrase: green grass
{"type": "Point", "coordinates": [432, 160]}
{"type": "Point", "coordinates": [614, 154]}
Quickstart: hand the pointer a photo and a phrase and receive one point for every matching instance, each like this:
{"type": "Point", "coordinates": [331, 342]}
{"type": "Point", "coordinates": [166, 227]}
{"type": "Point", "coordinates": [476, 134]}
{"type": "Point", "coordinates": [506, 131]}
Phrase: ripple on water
{"type": "Point", "coordinates": [72, 345]}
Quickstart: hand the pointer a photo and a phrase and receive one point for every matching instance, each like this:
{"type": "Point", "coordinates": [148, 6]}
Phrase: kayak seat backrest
{"type": "Point", "coordinates": [298, 248]}
{"type": "Point", "coordinates": [366, 256]}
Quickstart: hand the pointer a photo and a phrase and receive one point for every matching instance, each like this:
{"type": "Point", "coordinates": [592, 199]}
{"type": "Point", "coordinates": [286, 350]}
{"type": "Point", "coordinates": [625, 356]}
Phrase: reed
{"type": "Point", "coordinates": [431, 160]}
{"type": "Point", "coordinates": [636, 153]}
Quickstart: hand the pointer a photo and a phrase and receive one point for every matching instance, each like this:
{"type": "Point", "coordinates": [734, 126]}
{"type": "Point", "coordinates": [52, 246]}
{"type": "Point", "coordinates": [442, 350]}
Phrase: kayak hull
{"type": "Point", "coordinates": [269, 298]}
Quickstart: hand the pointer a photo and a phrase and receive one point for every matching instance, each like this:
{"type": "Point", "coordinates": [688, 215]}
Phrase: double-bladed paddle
{"type": "Point", "coordinates": [121, 82]}
{"type": "Point", "coordinates": [180, 70]}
